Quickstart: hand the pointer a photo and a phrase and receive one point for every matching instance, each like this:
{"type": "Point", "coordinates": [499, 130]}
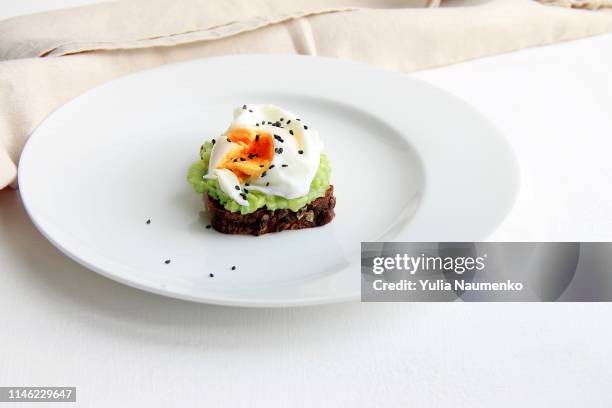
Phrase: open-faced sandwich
{"type": "Point", "coordinates": [266, 173]}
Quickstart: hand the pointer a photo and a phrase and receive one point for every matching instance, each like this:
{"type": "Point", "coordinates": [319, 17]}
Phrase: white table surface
{"type": "Point", "coordinates": [61, 324]}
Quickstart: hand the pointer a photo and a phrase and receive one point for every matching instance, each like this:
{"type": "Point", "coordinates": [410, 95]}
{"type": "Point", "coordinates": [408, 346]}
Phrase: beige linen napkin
{"type": "Point", "coordinates": [149, 23]}
{"type": "Point", "coordinates": [587, 4]}
{"type": "Point", "coordinates": [79, 49]}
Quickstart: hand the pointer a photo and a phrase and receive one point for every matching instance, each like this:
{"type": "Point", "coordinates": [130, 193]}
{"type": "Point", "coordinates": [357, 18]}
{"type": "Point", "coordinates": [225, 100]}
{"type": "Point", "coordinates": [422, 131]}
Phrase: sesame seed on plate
{"type": "Point", "coordinates": [291, 131]}
{"type": "Point", "coordinates": [271, 167]}
{"type": "Point", "coordinates": [212, 275]}
{"type": "Point", "coordinates": [243, 106]}
{"type": "Point", "coordinates": [285, 165]}
{"type": "Point", "coordinates": [167, 261]}
{"type": "Point", "coordinates": [305, 127]}
{"type": "Point", "coordinates": [208, 226]}
{"type": "Point", "coordinates": [233, 268]}
{"type": "Point", "coordinates": [237, 188]}
{"type": "Point", "coordinates": [148, 221]}
{"type": "Point", "coordinates": [213, 141]}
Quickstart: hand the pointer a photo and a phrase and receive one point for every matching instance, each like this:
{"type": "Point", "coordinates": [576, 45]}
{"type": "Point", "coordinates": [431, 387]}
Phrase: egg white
{"type": "Point", "coordinates": [292, 172]}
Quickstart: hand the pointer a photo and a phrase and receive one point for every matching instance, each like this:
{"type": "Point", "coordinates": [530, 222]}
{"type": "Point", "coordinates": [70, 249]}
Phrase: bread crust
{"type": "Point", "coordinates": [263, 221]}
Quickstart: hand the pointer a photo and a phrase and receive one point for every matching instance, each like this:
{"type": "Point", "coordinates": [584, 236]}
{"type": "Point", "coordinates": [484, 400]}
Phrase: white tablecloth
{"type": "Point", "coordinates": [61, 324]}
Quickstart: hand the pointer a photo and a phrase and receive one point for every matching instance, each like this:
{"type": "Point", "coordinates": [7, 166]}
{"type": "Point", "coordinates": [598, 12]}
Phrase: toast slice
{"type": "Point", "coordinates": [262, 221]}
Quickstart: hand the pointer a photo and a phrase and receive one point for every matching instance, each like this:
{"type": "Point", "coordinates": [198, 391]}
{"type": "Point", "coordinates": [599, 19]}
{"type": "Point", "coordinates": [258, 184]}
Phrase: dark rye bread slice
{"type": "Point", "coordinates": [262, 221]}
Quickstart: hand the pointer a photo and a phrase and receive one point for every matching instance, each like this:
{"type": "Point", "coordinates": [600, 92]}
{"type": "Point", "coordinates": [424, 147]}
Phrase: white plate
{"type": "Point", "coordinates": [410, 162]}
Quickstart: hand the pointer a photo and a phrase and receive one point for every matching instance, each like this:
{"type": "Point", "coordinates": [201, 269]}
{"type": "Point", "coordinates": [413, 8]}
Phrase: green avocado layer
{"type": "Point", "coordinates": [256, 199]}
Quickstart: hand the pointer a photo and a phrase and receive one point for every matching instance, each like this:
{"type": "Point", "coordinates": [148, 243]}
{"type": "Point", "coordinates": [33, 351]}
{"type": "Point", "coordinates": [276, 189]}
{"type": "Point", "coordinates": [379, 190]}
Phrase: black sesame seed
{"type": "Point", "coordinates": [280, 139]}
{"type": "Point", "coordinates": [257, 138]}
{"type": "Point", "coordinates": [243, 196]}
{"type": "Point", "coordinates": [282, 119]}
{"type": "Point", "coordinates": [237, 188]}
{"type": "Point", "coordinates": [148, 221]}
{"type": "Point", "coordinates": [233, 268]}
{"type": "Point", "coordinates": [229, 140]}
{"type": "Point", "coordinates": [298, 119]}
{"type": "Point", "coordinates": [257, 124]}
{"type": "Point", "coordinates": [213, 141]}
{"type": "Point", "coordinates": [242, 159]}
{"type": "Point", "coordinates": [271, 167]}
{"type": "Point", "coordinates": [250, 111]}
{"type": "Point", "coordinates": [251, 156]}
{"type": "Point", "coordinates": [267, 184]}
{"type": "Point", "coordinates": [167, 261]}
{"type": "Point", "coordinates": [235, 160]}
{"type": "Point", "coordinates": [291, 131]}
{"type": "Point", "coordinates": [246, 191]}
{"type": "Point", "coordinates": [261, 165]}
{"type": "Point", "coordinates": [208, 226]}
{"type": "Point", "coordinates": [305, 127]}
{"type": "Point", "coordinates": [212, 275]}
{"type": "Point", "coordinates": [285, 165]}
{"type": "Point", "coordinates": [300, 152]}
{"type": "Point", "coordinates": [277, 124]}
{"type": "Point", "coordinates": [263, 174]}
{"type": "Point", "coordinates": [289, 121]}
{"type": "Point", "coordinates": [247, 184]}
{"type": "Point", "coordinates": [279, 150]}
{"type": "Point", "coordinates": [243, 106]}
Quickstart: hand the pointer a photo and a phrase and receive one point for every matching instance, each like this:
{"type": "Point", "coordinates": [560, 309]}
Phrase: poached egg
{"type": "Point", "coordinates": [266, 149]}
